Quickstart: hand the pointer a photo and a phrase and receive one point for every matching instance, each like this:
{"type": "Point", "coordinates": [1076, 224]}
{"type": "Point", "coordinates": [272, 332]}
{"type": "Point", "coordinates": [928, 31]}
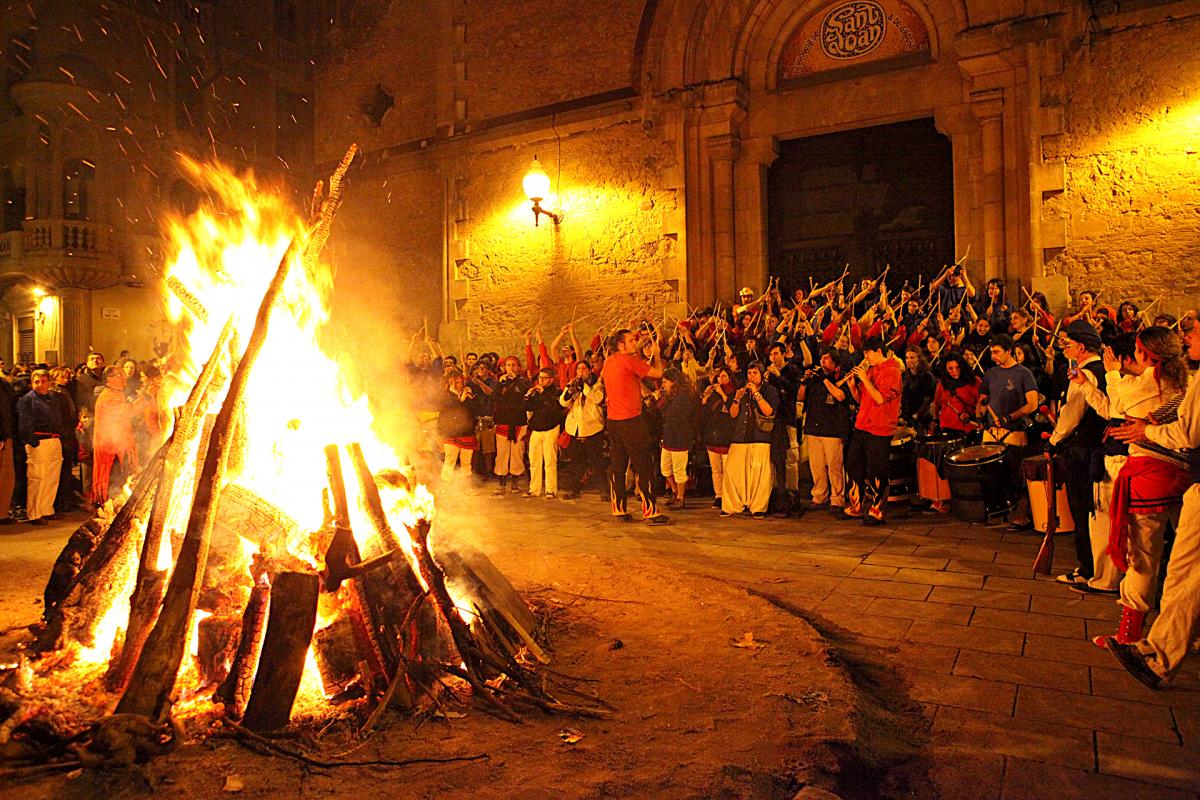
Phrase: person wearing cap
{"type": "Point", "coordinates": [747, 304]}
{"type": "Point", "coordinates": [680, 409]}
{"type": "Point", "coordinates": [1079, 435]}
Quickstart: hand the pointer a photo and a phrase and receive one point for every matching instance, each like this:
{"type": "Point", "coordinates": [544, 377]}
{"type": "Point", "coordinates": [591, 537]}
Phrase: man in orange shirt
{"type": "Point", "coordinates": [876, 384]}
{"type": "Point", "coordinates": [628, 437]}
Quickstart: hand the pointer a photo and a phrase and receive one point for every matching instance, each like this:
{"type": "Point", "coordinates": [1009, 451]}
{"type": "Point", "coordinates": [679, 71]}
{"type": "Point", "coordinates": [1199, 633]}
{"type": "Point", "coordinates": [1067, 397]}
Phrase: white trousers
{"type": "Point", "coordinates": [510, 455]}
{"type": "Point", "coordinates": [828, 472]}
{"type": "Point", "coordinates": [716, 463]}
{"type": "Point", "coordinates": [455, 455]}
{"type": "Point", "coordinates": [673, 465]}
{"type": "Point", "coordinates": [1105, 575]}
{"type": "Point", "coordinates": [44, 464]}
{"type": "Point", "coordinates": [1171, 635]}
{"type": "Point", "coordinates": [1143, 554]}
{"type": "Point", "coordinates": [748, 478]}
{"type": "Point", "coordinates": [543, 455]}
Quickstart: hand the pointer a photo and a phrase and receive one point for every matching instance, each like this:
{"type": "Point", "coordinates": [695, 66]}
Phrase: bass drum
{"type": "Point", "coordinates": [1033, 469]}
{"type": "Point", "coordinates": [979, 483]}
{"type": "Point", "coordinates": [932, 450]}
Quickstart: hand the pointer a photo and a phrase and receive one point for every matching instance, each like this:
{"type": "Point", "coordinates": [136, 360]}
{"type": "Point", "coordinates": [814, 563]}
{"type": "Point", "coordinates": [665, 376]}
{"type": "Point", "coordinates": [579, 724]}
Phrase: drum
{"type": "Point", "coordinates": [979, 483]}
{"type": "Point", "coordinates": [1033, 470]}
{"type": "Point", "coordinates": [931, 452]}
{"type": "Point", "coordinates": [902, 467]}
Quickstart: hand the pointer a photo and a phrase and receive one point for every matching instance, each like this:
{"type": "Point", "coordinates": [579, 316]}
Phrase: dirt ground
{"type": "Point", "coordinates": [697, 716]}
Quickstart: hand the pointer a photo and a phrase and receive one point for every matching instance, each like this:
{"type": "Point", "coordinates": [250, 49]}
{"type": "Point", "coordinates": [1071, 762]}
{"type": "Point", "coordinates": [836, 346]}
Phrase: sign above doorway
{"type": "Point", "coordinates": [854, 37]}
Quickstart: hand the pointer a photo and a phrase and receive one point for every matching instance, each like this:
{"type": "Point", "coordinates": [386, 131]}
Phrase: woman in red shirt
{"type": "Point", "coordinates": [956, 396]}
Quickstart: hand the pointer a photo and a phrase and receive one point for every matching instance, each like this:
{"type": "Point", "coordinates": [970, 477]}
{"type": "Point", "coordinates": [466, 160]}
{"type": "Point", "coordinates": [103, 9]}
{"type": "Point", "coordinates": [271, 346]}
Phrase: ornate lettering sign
{"type": "Point", "coordinates": [855, 35]}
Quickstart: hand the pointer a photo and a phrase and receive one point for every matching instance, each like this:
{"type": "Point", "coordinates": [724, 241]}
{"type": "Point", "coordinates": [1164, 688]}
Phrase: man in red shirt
{"type": "Point", "coordinates": [876, 384]}
{"type": "Point", "coordinates": [628, 438]}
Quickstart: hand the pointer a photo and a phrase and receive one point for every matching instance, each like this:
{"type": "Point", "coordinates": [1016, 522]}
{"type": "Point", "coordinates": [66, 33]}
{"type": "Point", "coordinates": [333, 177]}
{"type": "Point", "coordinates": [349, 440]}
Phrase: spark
{"type": "Point", "coordinates": [122, 77]}
{"type": "Point", "coordinates": [67, 72]}
{"type": "Point", "coordinates": [75, 108]}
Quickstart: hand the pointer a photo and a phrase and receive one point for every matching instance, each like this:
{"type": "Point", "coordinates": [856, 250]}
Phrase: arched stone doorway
{"type": "Point", "coordinates": [739, 101]}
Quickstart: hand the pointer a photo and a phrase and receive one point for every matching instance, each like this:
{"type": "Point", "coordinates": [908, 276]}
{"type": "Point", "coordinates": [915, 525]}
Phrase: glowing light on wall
{"type": "Point", "coordinates": [536, 184]}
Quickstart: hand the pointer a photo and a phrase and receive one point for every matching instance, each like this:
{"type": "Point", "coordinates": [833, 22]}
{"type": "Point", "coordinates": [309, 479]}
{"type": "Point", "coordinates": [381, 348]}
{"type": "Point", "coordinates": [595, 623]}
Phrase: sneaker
{"type": "Point", "coordinates": [871, 521]}
{"type": "Point", "coordinates": [1129, 657]}
{"type": "Point", "coordinates": [725, 513]}
{"type": "Point", "coordinates": [716, 502]}
{"type": "Point", "coordinates": [549, 495]}
{"type": "Point", "coordinates": [658, 519]}
{"type": "Point", "coordinates": [1019, 527]}
{"type": "Point", "coordinates": [38, 521]}
{"type": "Point", "coordinates": [622, 518]}
{"type": "Point", "coordinates": [1072, 578]}
{"type": "Point", "coordinates": [853, 511]}
{"type": "Point", "coordinates": [759, 515]}
{"type": "Point", "coordinates": [512, 487]}
{"type": "Point", "coordinates": [530, 494]}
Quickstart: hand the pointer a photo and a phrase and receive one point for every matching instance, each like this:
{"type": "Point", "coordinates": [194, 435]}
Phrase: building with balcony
{"type": "Point", "coordinates": [97, 102]}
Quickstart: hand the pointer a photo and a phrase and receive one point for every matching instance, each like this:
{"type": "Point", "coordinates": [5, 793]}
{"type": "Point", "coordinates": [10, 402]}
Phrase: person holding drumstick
{"type": "Point", "coordinates": [1007, 397]}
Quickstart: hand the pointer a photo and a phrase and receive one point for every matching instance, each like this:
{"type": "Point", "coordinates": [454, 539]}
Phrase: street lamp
{"type": "Point", "coordinates": [537, 186]}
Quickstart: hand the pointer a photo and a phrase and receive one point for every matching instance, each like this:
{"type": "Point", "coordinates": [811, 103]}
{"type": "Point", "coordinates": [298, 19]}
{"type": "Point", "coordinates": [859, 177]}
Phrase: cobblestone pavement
{"type": "Point", "coordinates": [1022, 704]}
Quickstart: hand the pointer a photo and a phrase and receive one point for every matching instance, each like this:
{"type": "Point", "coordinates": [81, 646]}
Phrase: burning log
{"type": "Point", "coordinates": [235, 691]}
{"type": "Point", "coordinates": [148, 588]}
{"type": "Point", "coordinates": [102, 576]}
{"type": "Point", "coordinates": [335, 650]}
{"type": "Point", "coordinates": [154, 675]}
{"type": "Point", "coordinates": [289, 633]}
{"type": "Point", "coordinates": [218, 639]}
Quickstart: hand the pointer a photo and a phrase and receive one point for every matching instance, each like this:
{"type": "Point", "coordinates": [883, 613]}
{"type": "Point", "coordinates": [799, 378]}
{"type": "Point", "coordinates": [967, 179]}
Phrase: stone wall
{"type": "Point", "coordinates": [613, 254]}
{"type": "Point", "coordinates": [1131, 149]}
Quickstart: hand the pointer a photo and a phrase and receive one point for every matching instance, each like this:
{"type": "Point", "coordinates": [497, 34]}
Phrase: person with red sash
{"type": "Point", "coordinates": [1148, 491]}
{"type": "Point", "coordinates": [1156, 659]}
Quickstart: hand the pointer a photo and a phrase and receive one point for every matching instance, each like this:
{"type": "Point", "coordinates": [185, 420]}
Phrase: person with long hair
{"type": "Point", "coordinates": [1148, 491]}
{"type": "Point", "coordinates": [717, 427]}
{"type": "Point", "coordinates": [956, 396]}
{"type": "Point", "coordinates": [114, 444]}
{"type": "Point", "coordinates": [1128, 319]}
{"type": "Point", "coordinates": [918, 388]}
{"type": "Point", "coordinates": [995, 308]}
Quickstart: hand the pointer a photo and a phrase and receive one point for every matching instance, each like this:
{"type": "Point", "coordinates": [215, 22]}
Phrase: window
{"type": "Point", "coordinates": [285, 20]}
{"type": "Point", "coordinates": [13, 215]}
{"type": "Point", "coordinates": [79, 178]}
{"type": "Point", "coordinates": [25, 339]}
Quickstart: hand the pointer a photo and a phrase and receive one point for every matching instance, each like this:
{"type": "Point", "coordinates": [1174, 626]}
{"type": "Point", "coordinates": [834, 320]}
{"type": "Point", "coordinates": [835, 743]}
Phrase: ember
{"type": "Point", "coordinates": [246, 574]}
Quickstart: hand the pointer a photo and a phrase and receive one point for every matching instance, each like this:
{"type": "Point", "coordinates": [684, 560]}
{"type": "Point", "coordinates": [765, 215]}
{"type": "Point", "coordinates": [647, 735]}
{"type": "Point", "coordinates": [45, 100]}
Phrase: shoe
{"type": "Point", "coordinates": [512, 486]}
{"type": "Point", "coordinates": [759, 515]}
{"type": "Point", "coordinates": [725, 513]}
{"type": "Point", "coordinates": [1134, 663]}
{"type": "Point", "coordinates": [572, 495]}
{"type": "Point", "coordinates": [502, 488]}
{"type": "Point", "coordinates": [871, 521]}
{"type": "Point", "coordinates": [1087, 588]}
{"type": "Point", "coordinates": [622, 518]}
{"type": "Point", "coordinates": [530, 494]}
{"type": "Point", "coordinates": [1129, 631]}
{"type": "Point", "coordinates": [549, 495]}
{"type": "Point", "coordinates": [852, 511]}
{"type": "Point", "coordinates": [672, 503]}
{"type": "Point", "coordinates": [716, 502]}
{"type": "Point", "coordinates": [658, 519]}
{"type": "Point", "coordinates": [38, 521]}
{"type": "Point", "coordinates": [1072, 578]}
{"type": "Point", "coordinates": [53, 517]}
{"type": "Point", "coordinates": [1018, 527]}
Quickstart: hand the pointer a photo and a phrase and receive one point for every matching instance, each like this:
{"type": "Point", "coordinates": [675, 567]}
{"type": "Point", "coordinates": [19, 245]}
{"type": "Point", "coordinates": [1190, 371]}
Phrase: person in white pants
{"type": "Point", "coordinates": [826, 425]}
{"type": "Point", "coordinates": [717, 428]}
{"type": "Point", "coordinates": [1156, 659]}
{"type": "Point", "coordinates": [39, 424]}
{"type": "Point", "coordinates": [748, 473]}
{"type": "Point", "coordinates": [545, 419]}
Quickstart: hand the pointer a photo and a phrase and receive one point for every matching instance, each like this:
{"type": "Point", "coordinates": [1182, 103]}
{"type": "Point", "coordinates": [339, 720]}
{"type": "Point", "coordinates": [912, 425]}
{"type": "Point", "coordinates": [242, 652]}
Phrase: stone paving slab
{"type": "Point", "coordinates": [1023, 670]}
{"type": "Point", "coordinates": [959, 692]}
{"type": "Point", "coordinates": [1098, 713]}
{"type": "Point", "coordinates": [1030, 780]}
{"type": "Point", "coordinates": [982, 598]}
{"type": "Point", "coordinates": [1001, 733]}
{"type": "Point", "coordinates": [1168, 764]}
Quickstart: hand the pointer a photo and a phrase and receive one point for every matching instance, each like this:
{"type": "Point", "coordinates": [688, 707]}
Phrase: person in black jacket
{"type": "Point", "coordinates": [826, 428]}
{"type": "Point", "coordinates": [680, 422]}
{"type": "Point", "coordinates": [748, 478]}
{"type": "Point", "coordinates": [545, 419]}
{"type": "Point", "coordinates": [508, 410]}
{"type": "Point", "coordinates": [718, 427]}
{"type": "Point", "coordinates": [785, 446]}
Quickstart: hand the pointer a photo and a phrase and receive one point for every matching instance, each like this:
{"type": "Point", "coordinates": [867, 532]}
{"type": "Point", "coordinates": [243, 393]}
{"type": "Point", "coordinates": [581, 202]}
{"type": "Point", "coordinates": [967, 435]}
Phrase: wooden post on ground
{"type": "Point", "coordinates": [281, 665]}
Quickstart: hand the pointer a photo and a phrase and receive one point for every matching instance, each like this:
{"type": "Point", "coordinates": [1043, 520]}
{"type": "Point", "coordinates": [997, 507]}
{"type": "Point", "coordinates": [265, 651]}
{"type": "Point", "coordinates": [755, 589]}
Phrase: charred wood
{"type": "Point", "coordinates": [289, 633]}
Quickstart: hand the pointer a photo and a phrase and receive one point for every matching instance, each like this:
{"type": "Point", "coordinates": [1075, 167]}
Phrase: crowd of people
{"type": "Point", "coordinates": [731, 401]}
{"type": "Point", "coordinates": [69, 437]}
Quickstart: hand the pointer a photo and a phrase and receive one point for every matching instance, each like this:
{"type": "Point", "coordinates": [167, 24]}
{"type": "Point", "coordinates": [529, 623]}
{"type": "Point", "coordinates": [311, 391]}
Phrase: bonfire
{"type": "Point", "coordinates": [257, 573]}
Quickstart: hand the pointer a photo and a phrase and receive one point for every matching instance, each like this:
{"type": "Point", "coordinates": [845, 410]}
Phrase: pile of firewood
{"type": "Point", "coordinates": [398, 641]}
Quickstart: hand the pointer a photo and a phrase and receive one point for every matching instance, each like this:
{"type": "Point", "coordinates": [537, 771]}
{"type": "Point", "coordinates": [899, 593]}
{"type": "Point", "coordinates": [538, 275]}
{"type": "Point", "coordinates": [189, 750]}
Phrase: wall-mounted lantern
{"type": "Point", "coordinates": [537, 188]}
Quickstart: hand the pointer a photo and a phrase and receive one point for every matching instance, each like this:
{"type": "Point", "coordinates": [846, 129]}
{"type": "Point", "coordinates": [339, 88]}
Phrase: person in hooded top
{"type": "Point", "coordinates": [114, 444]}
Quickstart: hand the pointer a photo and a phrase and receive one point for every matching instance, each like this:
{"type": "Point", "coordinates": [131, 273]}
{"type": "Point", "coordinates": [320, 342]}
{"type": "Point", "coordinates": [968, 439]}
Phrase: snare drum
{"type": "Point", "coordinates": [932, 450]}
{"type": "Point", "coordinates": [1033, 470]}
{"type": "Point", "coordinates": [902, 466]}
{"type": "Point", "coordinates": [979, 483]}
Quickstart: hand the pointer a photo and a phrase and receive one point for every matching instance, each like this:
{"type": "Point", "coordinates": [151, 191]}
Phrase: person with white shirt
{"type": "Point", "coordinates": [583, 398]}
{"type": "Point", "coordinates": [1156, 659]}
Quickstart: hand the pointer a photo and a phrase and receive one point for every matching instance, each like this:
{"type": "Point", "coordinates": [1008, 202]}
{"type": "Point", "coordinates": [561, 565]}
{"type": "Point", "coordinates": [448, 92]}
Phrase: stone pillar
{"type": "Point", "coordinates": [753, 262]}
{"type": "Point", "coordinates": [988, 107]}
{"type": "Point", "coordinates": [76, 309]}
{"type": "Point", "coordinates": [722, 153]}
